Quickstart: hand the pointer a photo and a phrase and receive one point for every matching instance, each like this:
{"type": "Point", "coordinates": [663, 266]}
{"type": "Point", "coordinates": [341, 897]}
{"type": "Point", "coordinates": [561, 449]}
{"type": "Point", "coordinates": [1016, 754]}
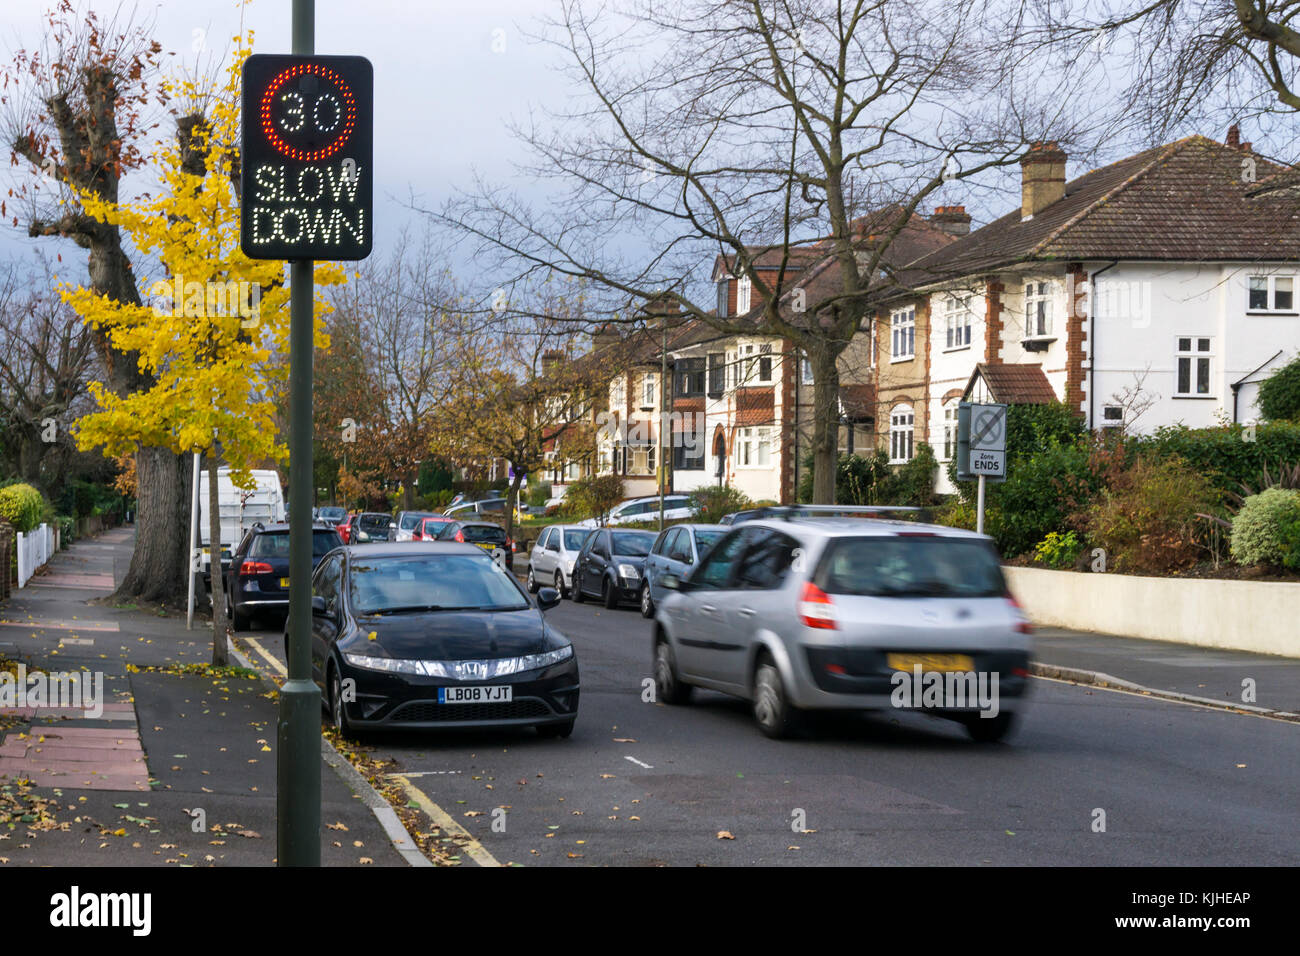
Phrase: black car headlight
{"type": "Point", "coordinates": [462, 670]}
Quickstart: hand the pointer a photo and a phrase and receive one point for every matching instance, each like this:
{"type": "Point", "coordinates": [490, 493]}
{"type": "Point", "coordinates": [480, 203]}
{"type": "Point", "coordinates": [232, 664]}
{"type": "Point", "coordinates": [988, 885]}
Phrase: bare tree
{"type": "Point", "coordinates": [746, 128]}
{"type": "Point", "coordinates": [76, 108]}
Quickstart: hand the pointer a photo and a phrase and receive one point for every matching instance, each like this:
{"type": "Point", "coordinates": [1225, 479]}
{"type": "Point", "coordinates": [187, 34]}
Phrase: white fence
{"type": "Point", "coordinates": [34, 549]}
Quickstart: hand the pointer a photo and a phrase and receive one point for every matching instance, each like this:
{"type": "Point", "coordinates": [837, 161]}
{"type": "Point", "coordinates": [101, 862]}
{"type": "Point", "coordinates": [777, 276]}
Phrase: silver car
{"type": "Point", "coordinates": [676, 551]}
{"type": "Point", "coordinates": [550, 563]}
{"type": "Point", "coordinates": [809, 613]}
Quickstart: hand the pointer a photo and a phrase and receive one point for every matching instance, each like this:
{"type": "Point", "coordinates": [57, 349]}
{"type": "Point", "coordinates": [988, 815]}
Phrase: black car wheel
{"type": "Point", "coordinates": [668, 686]}
{"type": "Point", "coordinates": [555, 730]}
{"type": "Point", "coordinates": [776, 716]}
{"type": "Point", "coordinates": [609, 593]}
{"type": "Point", "coordinates": [559, 584]}
{"type": "Point", "coordinates": [578, 596]}
{"type": "Point", "coordinates": [647, 602]}
{"type": "Point", "coordinates": [987, 730]}
{"type": "Point", "coordinates": [338, 713]}
{"type": "Point", "coordinates": [532, 581]}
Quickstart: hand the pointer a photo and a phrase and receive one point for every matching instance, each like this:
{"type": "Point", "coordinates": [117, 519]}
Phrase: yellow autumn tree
{"type": "Point", "coordinates": [214, 331]}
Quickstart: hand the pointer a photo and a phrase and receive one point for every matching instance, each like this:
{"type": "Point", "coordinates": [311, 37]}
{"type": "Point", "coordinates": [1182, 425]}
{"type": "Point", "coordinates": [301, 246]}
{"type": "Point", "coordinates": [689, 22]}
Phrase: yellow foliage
{"type": "Point", "coordinates": [217, 355]}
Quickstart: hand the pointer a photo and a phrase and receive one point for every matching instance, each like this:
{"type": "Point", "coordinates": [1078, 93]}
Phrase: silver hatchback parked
{"type": "Point", "coordinates": [550, 563]}
{"type": "Point", "coordinates": [809, 613]}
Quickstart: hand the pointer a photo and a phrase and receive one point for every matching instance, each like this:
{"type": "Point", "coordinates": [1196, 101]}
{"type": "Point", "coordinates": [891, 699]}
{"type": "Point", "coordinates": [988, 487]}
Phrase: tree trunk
{"type": "Point", "coordinates": [512, 502]}
{"type": "Point", "coordinates": [214, 565]}
{"type": "Point", "coordinates": [826, 425]}
{"type": "Point", "coordinates": [408, 491]}
{"type": "Point", "coordinates": [159, 560]}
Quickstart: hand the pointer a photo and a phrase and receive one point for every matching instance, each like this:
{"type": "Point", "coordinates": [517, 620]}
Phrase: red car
{"type": "Point", "coordinates": [428, 528]}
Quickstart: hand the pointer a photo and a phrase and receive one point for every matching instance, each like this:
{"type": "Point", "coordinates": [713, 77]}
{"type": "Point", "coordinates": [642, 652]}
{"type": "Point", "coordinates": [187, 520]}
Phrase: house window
{"type": "Point", "coordinates": [755, 448]}
{"type": "Point", "coordinates": [1193, 366]}
{"type": "Point", "coordinates": [949, 431]}
{"type": "Point", "coordinates": [688, 451]}
{"type": "Point", "coordinates": [765, 363]}
{"type": "Point", "coordinates": [1112, 416]}
{"type": "Point", "coordinates": [723, 292]}
{"type": "Point", "coordinates": [617, 395]}
{"type": "Point", "coordinates": [742, 295]}
{"type": "Point", "coordinates": [1271, 294]}
{"type": "Point", "coordinates": [717, 374]}
{"type": "Point", "coordinates": [1038, 309]}
{"type": "Point", "coordinates": [900, 434]}
{"type": "Point", "coordinates": [747, 368]}
{"type": "Point", "coordinates": [650, 459]}
{"type": "Point", "coordinates": [958, 316]}
{"type": "Point", "coordinates": [805, 370]}
{"type": "Point", "coordinates": [648, 390]}
{"type": "Point", "coordinates": [903, 334]}
{"type": "Point", "coordinates": [690, 377]}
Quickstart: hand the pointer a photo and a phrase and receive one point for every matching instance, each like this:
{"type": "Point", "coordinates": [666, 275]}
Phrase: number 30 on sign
{"type": "Point", "coordinates": [306, 176]}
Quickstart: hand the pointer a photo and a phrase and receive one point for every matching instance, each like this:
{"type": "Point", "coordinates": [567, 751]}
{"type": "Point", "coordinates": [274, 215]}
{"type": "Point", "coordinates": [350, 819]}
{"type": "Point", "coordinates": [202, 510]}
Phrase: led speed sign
{"type": "Point", "coordinates": [306, 175]}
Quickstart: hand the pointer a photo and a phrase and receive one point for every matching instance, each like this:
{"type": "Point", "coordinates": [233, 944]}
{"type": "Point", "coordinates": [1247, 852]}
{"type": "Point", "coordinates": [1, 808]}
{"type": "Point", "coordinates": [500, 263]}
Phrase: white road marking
{"type": "Point", "coordinates": [639, 763]}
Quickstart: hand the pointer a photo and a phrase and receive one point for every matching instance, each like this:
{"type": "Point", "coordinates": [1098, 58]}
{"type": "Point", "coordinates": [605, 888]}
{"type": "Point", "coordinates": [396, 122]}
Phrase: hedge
{"type": "Point", "coordinates": [22, 505]}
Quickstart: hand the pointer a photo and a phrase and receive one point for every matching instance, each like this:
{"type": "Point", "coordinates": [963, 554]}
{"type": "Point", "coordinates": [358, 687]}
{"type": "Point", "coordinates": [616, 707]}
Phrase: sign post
{"type": "Point", "coordinates": [981, 448]}
{"type": "Point", "coordinates": [306, 190]}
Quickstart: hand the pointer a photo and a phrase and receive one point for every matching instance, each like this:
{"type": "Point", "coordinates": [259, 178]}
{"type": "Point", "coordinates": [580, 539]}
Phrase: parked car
{"type": "Point", "coordinates": [365, 527]}
{"type": "Point", "coordinates": [553, 557]}
{"type": "Point", "coordinates": [429, 527]}
{"type": "Point", "coordinates": [405, 523]}
{"type": "Point", "coordinates": [471, 496]}
{"type": "Point", "coordinates": [676, 551]}
{"type": "Point", "coordinates": [492, 538]}
{"type": "Point", "coordinates": [482, 506]}
{"type": "Point", "coordinates": [676, 507]}
{"type": "Point", "coordinates": [238, 510]}
{"type": "Point", "coordinates": [257, 583]}
{"type": "Point", "coordinates": [825, 511]}
{"type": "Point", "coordinates": [333, 513]}
{"type": "Point", "coordinates": [803, 614]}
{"type": "Point", "coordinates": [437, 635]}
{"type": "Point", "coordinates": [611, 565]}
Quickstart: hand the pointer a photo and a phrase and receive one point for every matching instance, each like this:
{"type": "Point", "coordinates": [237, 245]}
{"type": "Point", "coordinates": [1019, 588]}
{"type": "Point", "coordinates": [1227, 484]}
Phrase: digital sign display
{"type": "Point", "coordinates": [306, 171]}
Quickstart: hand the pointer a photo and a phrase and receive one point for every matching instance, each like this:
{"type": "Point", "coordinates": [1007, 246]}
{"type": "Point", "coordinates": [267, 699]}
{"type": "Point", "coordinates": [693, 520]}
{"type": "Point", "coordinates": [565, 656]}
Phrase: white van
{"type": "Point", "coordinates": [239, 509]}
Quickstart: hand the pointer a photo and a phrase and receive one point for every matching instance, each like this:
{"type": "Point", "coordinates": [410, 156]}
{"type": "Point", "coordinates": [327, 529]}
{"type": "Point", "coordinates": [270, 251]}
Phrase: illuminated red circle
{"type": "Point", "coordinates": [349, 120]}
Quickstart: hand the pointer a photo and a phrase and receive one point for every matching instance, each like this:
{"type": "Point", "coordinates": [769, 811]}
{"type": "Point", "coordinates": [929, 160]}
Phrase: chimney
{"type": "Point", "coordinates": [1042, 178]}
{"type": "Point", "coordinates": [1234, 136]}
{"type": "Point", "coordinates": [549, 358]}
{"type": "Point", "coordinates": [605, 335]}
{"type": "Point", "coordinates": [954, 220]}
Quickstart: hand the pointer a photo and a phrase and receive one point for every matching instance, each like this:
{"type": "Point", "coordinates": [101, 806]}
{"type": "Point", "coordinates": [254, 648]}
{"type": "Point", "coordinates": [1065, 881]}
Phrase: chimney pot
{"type": "Point", "coordinates": [1234, 136]}
{"type": "Point", "coordinates": [954, 220]}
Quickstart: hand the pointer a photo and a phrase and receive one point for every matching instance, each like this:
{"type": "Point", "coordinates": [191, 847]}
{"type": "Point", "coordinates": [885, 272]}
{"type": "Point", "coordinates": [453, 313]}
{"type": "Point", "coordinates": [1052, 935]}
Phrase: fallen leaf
{"type": "Point", "coordinates": [336, 826]}
{"type": "Point", "coordinates": [725, 835]}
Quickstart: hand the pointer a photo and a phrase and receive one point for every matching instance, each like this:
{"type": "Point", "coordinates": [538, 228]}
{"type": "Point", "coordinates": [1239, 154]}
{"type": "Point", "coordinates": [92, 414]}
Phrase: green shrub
{"type": "Point", "coordinates": [1059, 550]}
{"type": "Point", "coordinates": [1279, 394]}
{"type": "Point", "coordinates": [1040, 494]}
{"type": "Point", "coordinates": [913, 482]}
{"type": "Point", "coordinates": [1146, 519]}
{"type": "Point", "coordinates": [22, 505]}
{"type": "Point", "coordinates": [1263, 529]}
{"type": "Point", "coordinates": [714, 502]}
{"type": "Point", "coordinates": [956, 512]}
{"type": "Point", "coordinates": [1288, 535]}
{"type": "Point", "coordinates": [1225, 455]}
{"type": "Point", "coordinates": [593, 497]}
{"type": "Point", "coordinates": [67, 529]}
{"type": "Point", "coordinates": [537, 494]}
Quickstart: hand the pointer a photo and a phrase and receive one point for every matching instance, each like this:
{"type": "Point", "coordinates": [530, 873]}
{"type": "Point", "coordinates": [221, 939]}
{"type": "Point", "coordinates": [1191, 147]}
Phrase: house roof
{"type": "Point", "coordinates": [1014, 384]}
{"type": "Point", "coordinates": [1192, 200]}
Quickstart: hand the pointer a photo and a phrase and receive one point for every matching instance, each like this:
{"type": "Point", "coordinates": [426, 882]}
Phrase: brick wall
{"type": "Point", "coordinates": [1076, 334]}
{"type": "Point", "coordinates": [993, 321]}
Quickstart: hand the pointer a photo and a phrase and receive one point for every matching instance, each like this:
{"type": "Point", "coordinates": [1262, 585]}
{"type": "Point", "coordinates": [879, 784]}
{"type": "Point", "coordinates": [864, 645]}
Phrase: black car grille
{"type": "Point", "coordinates": [428, 711]}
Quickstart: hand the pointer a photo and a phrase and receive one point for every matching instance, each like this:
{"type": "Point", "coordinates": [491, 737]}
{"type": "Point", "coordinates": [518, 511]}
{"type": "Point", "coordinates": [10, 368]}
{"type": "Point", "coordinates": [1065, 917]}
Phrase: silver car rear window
{"type": "Point", "coordinates": [910, 565]}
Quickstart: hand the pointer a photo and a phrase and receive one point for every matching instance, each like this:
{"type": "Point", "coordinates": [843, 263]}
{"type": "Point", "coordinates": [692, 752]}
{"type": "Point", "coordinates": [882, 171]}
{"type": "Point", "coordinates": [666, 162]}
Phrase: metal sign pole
{"type": "Point", "coordinates": [979, 507]}
{"type": "Point", "coordinates": [194, 530]}
{"type": "Point", "coordinates": [298, 767]}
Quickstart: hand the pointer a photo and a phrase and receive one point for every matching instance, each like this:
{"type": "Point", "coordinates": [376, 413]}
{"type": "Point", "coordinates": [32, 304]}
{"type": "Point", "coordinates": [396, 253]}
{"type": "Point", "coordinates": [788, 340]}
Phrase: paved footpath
{"type": "Point", "coordinates": [174, 768]}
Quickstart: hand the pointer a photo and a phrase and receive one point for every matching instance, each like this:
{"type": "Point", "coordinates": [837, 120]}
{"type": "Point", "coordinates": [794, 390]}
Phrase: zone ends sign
{"type": "Point", "coordinates": [305, 174]}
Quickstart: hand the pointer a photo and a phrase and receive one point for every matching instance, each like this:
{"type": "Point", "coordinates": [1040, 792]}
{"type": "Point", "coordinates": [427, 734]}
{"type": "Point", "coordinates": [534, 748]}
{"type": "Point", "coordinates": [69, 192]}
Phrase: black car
{"type": "Point", "coordinates": [258, 580]}
{"type": "Point", "coordinates": [492, 538]}
{"type": "Point", "coordinates": [437, 635]}
{"type": "Point", "coordinates": [611, 565]}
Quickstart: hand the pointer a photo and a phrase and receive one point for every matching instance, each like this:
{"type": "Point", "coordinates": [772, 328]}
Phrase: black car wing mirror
{"type": "Point", "coordinates": [318, 608]}
{"type": "Point", "coordinates": [547, 598]}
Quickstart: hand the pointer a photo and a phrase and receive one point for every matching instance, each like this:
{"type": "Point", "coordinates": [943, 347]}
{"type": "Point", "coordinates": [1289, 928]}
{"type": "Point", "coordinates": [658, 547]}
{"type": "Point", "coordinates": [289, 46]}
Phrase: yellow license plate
{"type": "Point", "coordinates": [930, 662]}
{"type": "Point", "coordinates": [485, 545]}
{"type": "Point", "coordinates": [284, 582]}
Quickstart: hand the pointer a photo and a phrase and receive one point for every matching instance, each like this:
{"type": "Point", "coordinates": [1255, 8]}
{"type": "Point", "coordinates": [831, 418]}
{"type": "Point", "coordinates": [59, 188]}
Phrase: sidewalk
{"type": "Point", "coordinates": [170, 750]}
{"type": "Point", "coordinates": [1175, 668]}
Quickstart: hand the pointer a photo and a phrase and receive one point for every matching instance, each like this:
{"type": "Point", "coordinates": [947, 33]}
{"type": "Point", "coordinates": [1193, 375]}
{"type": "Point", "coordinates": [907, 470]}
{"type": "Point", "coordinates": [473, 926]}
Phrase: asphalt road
{"type": "Point", "coordinates": [644, 783]}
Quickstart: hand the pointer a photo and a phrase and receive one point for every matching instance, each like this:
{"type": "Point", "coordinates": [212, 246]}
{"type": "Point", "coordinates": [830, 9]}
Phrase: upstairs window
{"type": "Point", "coordinates": [902, 324]}
{"type": "Point", "coordinates": [648, 390]}
{"type": "Point", "coordinates": [1271, 294]}
{"type": "Point", "coordinates": [717, 374]}
{"type": "Point", "coordinates": [1038, 310]}
{"type": "Point", "coordinates": [957, 310]}
{"type": "Point", "coordinates": [1193, 360]}
{"type": "Point", "coordinates": [743, 286]}
{"type": "Point", "coordinates": [765, 363]}
{"type": "Point", "coordinates": [690, 377]}
{"type": "Point", "coordinates": [723, 295]}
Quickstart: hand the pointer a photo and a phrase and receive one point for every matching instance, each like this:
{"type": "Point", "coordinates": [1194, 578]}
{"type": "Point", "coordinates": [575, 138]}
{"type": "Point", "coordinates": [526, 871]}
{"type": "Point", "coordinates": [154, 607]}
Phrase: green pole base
{"type": "Point", "coordinates": [298, 775]}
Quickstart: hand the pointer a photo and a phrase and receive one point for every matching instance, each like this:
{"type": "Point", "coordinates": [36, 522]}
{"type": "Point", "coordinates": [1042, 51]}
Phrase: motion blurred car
{"type": "Point", "coordinates": [471, 508]}
{"type": "Point", "coordinates": [553, 557]}
{"type": "Point", "coordinates": [257, 584]}
{"type": "Point", "coordinates": [636, 510]}
{"type": "Point", "coordinates": [808, 613]}
{"type": "Point", "coordinates": [611, 565]}
{"type": "Point", "coordinates": [435, 635]}
{"type": "Point", "coordinates": [492, 538]}
{"type": "Point", "coordinates": [676, 551]}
